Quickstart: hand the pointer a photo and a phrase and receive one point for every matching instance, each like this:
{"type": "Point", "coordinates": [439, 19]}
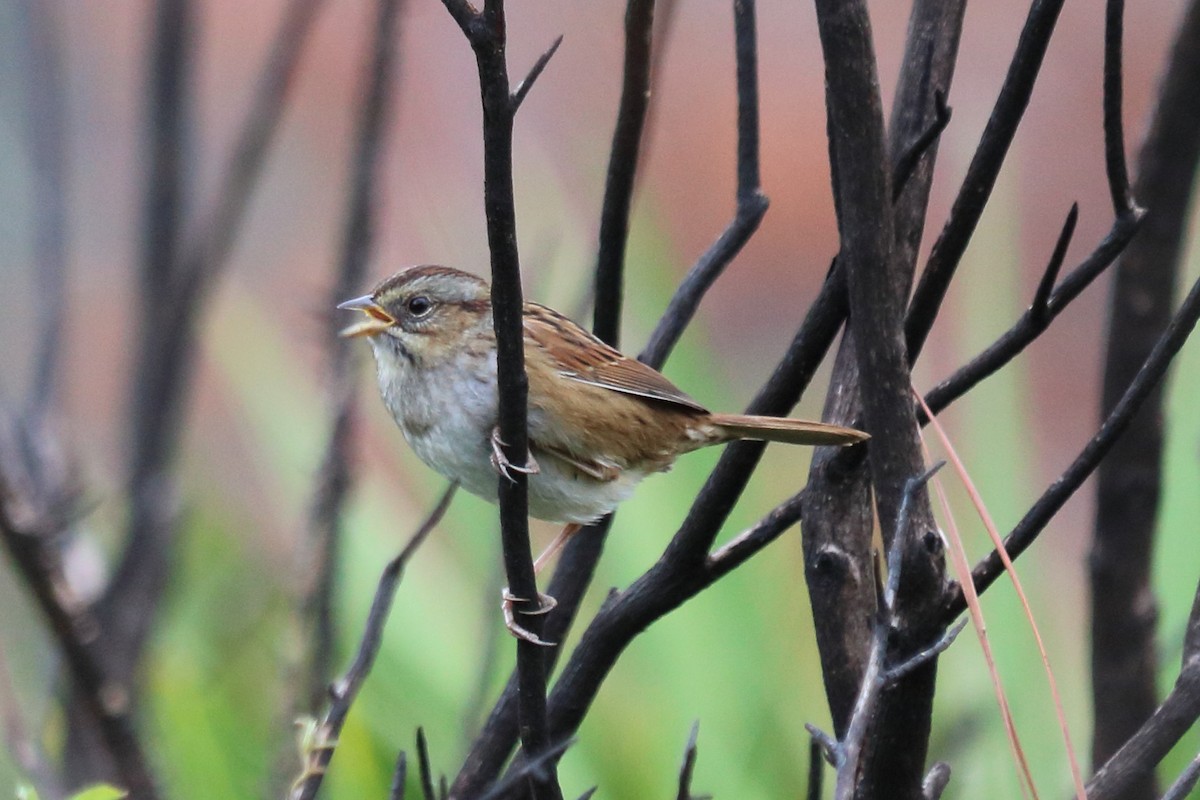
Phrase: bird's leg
{"type": "Point", "coordinates": [500, 462]}
{"type": "Point", "coordinates": [546, 603]}
{"type": "Point", "coordinates": [559, 542]}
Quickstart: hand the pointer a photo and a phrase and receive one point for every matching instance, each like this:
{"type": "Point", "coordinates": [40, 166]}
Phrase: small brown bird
{"type": "Point", "coordinates": [599, 422]}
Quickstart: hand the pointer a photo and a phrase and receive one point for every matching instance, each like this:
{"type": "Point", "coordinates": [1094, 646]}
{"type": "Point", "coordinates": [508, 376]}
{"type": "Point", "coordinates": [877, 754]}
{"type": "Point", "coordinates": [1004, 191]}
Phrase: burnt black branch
{"type": "Point", "coordinates": [1135, 761]}
{"type": "Point", "coordinates": [622, 169]}
{"type": "Point", "coordinates": [486, 32]}
{"type": "Point", "coordinates": [907, 161]}
{"type": "Point", "coordinates": [1052, 500]}
{"type": "Point", "coordinates": [423, 768]}
{"type": "Point", "coordinates": [981, 174]}
{"type": "Point", "coordinates": [875, 281]}
{"type": "Point", "coordinates": [343, 691]}
{"type": "Point", "coordinates": [1047, 305]}
{"type": "Point", "coordinates": [839, 518]}
{"type": "Point", "coordinates": [1124, 649]}
{"type": "Point", "coordinates": [751, 202]}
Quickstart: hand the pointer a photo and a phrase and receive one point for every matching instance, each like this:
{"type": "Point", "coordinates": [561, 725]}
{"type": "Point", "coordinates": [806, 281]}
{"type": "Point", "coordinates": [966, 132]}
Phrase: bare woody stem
{"type": "Point", "coordinates": [486, 32]}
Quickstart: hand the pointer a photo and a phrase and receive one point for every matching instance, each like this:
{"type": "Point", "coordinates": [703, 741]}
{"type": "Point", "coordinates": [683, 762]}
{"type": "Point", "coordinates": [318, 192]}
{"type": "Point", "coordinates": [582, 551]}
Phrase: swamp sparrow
{"type": "Point", "coordinates": [599, 422]}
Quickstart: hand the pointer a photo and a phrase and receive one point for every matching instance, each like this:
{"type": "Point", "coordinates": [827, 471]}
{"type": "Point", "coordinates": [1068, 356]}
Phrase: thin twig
{"type": "Point", "coordinates": [423, 768]}
{"type": "Point", "coordinates": [1038, 317]}
{"type": "Point", "coordinates": [751, 202]}
{"type": "Point", "coordinates": [1183, 785]}
{"type": "Point", "coordinates": [1027, 530]}
{"type": "Point", "coordinates": [981, 175]}
{"type": "Point", "coordinates": [343, 692]}
{"type": "Point", "coordinates": [399, 777]}
{"type": "Point", "coordinates": [622, 169]}
{"type": "Point", "coordinates": [527, 768]}
{"type": "Point", "coordinates": [914, 152]}
{"type": "Point", "coordinates": [936, 781]}
{"type": "Point", "coordinates": [518, 95]}
{"type": "Point", "coordinates": [689, 764]}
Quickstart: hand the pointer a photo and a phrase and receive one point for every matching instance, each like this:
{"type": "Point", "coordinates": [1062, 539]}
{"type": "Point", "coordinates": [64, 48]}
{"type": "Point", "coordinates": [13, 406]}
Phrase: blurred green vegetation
{"type": "Point", "coordinates": [740, 658]}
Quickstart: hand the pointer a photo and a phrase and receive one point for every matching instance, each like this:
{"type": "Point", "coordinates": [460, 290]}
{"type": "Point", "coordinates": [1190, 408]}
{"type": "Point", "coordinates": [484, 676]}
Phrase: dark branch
{"type": "Point", "coordinates": [1037, 318]}
{"type": "Point", "coordinates": [1060, 491]}
{"type": "Point", "coordinates": [30, 536]}
{"type": "Point", "coordinates": [689, 765]}
{"type": "Point", "coordinates": [518, 95]}
{"type": "Point", "coordinates": [1040, 306]}
{"type": "Point", "coordinates": [751, 202]}
{"type": "Point", "coordinates": [487, 35]}
{"type": "Point", "coordinates": [1138, 757]}
{"type": "Point", "coordinates": [343, 692]}
{"type": "Point", "coordinates": [907, 161]}
{"type": "Point", "coordinates": [622, 169]}
{"type": "Point", "coordinates": [399, 777]}
{"type": "Point", "coordinates": [1114, 140]}
{"type": "Point", "coordinates": [423, 769]}
{"type": "Point", "coordinates": [816, 769]}
{"type": "Point", "coordinates": [1183, 785]}
{"type": "Point", "coordinates": [839, 518]}
{"type": "Point", "coordinates": [1124, 614]}
{"type": "Point", "coordinates": [877, 276]}
{"type": "Point", "coordinates": [981, 174]}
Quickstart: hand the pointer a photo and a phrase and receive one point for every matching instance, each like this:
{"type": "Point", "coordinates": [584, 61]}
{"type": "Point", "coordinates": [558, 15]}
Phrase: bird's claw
{"type": "Point", "coordinates": [501, 464]}
{"type": "Point", "coordinates": [546, 604]}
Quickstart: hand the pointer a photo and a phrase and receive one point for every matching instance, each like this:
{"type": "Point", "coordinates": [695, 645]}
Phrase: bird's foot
{"type": "Point", "coordinates": [501, 464]}
{"type": "Point", "coordinates": [546, 604]}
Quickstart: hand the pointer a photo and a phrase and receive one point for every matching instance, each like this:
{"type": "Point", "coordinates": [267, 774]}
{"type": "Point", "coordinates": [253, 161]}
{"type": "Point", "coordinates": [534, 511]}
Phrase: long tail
{"type": "Point", "coordinates": [783, 429]}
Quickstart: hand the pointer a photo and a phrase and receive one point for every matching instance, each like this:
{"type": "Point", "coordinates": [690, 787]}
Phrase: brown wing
{"type": "Point", "coordinates": [582, 357]}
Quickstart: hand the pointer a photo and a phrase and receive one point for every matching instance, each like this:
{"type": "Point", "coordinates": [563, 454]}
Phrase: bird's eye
{"type": "Point", "coordinates": [419, 305]}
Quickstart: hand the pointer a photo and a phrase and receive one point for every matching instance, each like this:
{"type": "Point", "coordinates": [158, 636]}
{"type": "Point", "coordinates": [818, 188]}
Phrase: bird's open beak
{"type": "Point", "coordinates": [377, 320]}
